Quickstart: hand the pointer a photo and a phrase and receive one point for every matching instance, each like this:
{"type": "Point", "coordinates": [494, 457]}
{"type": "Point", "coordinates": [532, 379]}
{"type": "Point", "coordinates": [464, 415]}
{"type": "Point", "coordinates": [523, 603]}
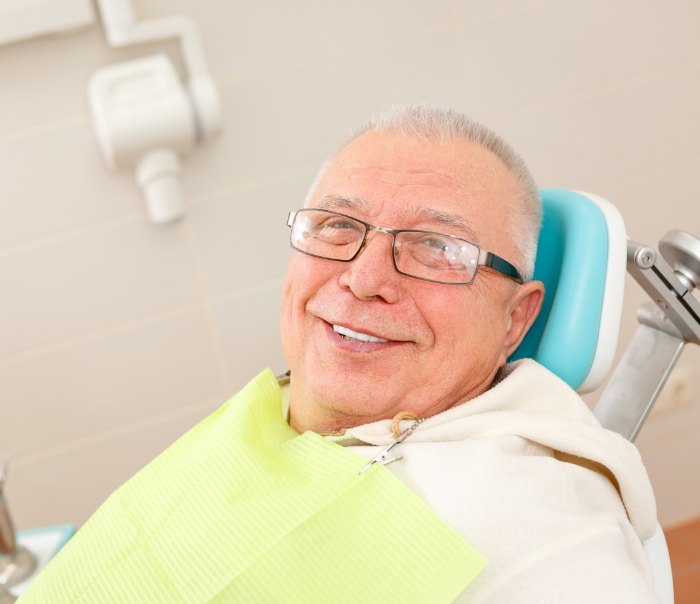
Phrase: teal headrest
{"type": "Point", "coordinates": [572, 260]}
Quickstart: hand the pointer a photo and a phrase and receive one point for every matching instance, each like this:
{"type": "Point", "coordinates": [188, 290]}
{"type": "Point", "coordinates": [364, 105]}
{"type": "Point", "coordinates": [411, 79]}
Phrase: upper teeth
{"type": "Point", "coordinates": [362, 337]}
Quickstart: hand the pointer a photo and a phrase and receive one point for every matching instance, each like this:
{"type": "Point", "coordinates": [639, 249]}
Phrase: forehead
{"type": "Point", "coordinates": [404, 181]}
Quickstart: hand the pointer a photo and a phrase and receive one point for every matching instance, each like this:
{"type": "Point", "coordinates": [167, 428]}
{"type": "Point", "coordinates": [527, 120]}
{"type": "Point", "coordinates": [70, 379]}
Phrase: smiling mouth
{"type": "Point", "coordinates": [349, 334]}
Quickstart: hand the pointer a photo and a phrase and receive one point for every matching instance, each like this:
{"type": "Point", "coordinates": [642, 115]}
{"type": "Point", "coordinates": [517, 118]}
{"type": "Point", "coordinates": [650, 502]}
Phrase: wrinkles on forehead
{"type": "Point", "coordinates": [398, 173]}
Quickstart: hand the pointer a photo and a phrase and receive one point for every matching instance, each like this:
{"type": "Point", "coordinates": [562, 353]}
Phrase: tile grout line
{"type": "Point", "coordinates": [455, 19]}
{"type": "Point", "coordinates": [42, 128]}
{"type": "Point", "coordinates": [197, 200]}
{"type": "Point", "coordinates": [39, 455]}
{"type": "Point", "coordinates": [68, 234]}
{"type": "Point", "coordinates": [137, 322]}
{"type": "Point", "coordinates": [599, 89]}
{"type": "Point", "coordinates": [202, 284]}
{"type": "Point", "coordinates": [231, 79]}
{"type": "Point", "coordinates": [657, 172]}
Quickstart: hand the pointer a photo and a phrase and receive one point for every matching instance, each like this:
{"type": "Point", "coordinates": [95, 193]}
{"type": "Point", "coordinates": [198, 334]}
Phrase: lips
{"type": "Point", "coordinates": [348, 333]}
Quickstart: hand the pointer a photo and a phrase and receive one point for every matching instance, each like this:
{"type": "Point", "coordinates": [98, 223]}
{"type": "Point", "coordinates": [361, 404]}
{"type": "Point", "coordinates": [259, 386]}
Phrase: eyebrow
{"type": "Point", "coordinates": [446, 219]}
{"type": "Point", "coordinates": [424, 214]}
{"type": "Point", "coordinates": [334, 202]}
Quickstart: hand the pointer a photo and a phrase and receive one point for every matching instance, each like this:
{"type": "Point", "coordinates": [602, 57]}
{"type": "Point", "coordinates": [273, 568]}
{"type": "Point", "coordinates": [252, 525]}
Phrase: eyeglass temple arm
{"type": "Point", "coordinates": [499, 264]}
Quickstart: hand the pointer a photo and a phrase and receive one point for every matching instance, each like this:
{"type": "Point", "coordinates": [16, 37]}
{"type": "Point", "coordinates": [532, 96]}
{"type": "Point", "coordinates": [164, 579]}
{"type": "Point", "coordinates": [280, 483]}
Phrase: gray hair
{"type": "Point", "coordinates": [440, 125]}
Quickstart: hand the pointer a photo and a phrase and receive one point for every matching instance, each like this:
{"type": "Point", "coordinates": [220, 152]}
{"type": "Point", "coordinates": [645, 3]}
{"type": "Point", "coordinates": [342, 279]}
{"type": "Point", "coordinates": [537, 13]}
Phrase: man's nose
{"type": "Point", "coordinates": [372, 273]}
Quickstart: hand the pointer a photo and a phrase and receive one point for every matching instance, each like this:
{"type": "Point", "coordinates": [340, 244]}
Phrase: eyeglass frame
{"type": "Point", "coordinates": [485, 258]}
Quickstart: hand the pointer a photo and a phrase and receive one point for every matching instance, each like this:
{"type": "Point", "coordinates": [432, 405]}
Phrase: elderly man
{"type": "Point", "coordinates": [403, 459]}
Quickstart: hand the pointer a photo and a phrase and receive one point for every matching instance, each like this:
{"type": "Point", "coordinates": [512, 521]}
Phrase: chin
{"type": "Point", "coordinates": [345, 401]}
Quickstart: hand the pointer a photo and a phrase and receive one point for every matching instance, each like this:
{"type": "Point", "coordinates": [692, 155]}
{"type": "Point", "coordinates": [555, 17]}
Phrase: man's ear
{"type": "Point", "coordinates": [524, 308]}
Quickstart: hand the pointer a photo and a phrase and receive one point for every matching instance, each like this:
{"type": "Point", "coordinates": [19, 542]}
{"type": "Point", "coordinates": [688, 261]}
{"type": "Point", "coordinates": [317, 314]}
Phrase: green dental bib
{"type": "Point", "coordinates": [243, 509]}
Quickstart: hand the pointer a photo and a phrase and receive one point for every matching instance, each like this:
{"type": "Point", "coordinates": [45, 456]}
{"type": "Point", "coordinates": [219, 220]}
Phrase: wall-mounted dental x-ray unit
{"type": "Point", "coordinates": [145, 117]}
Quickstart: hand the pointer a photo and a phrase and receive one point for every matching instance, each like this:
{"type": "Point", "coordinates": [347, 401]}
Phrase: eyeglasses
{"type": "Point", "coordinates": [429, 256]}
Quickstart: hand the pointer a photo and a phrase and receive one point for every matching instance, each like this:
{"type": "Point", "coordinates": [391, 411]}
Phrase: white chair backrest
{"type": "Point", "coordinates": [582, 259]}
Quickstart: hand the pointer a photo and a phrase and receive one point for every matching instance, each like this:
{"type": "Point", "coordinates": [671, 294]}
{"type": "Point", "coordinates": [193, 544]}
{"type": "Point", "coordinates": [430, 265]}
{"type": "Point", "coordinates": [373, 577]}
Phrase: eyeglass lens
{"type": "Point", "coordinates": [426, 255]}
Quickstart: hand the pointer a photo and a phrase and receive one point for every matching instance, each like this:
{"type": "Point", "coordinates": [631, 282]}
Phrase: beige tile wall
{"type": "Point", "coordinates": [117, 335]}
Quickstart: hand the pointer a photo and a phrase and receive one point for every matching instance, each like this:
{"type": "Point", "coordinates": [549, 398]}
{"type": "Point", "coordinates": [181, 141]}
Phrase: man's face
{"type": "Point", "coordinates": [443, 343]}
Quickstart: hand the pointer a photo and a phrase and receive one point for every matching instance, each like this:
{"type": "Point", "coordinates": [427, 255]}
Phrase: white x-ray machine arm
{"type": "Point", "coordinates": [665, 327]}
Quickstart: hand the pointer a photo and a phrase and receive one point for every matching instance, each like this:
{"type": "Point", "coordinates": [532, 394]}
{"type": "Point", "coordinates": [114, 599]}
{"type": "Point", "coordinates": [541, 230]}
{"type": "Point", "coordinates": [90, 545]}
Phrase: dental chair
{"type": "Point", "coordinates": [582, 258]}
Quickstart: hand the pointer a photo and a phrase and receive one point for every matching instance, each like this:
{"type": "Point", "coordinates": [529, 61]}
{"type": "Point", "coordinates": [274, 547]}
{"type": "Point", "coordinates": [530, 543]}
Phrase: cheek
{"type": "Point", "coordinates": [299, 281]}
{"type": "Point", "coordinates": [305, 277]}
{"type": "Point", "coordinates": [465, 322]}
{"type": "Point", "coordinates": [447, 305]}
{"type": "Point", "coordinates": [286, 318]}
